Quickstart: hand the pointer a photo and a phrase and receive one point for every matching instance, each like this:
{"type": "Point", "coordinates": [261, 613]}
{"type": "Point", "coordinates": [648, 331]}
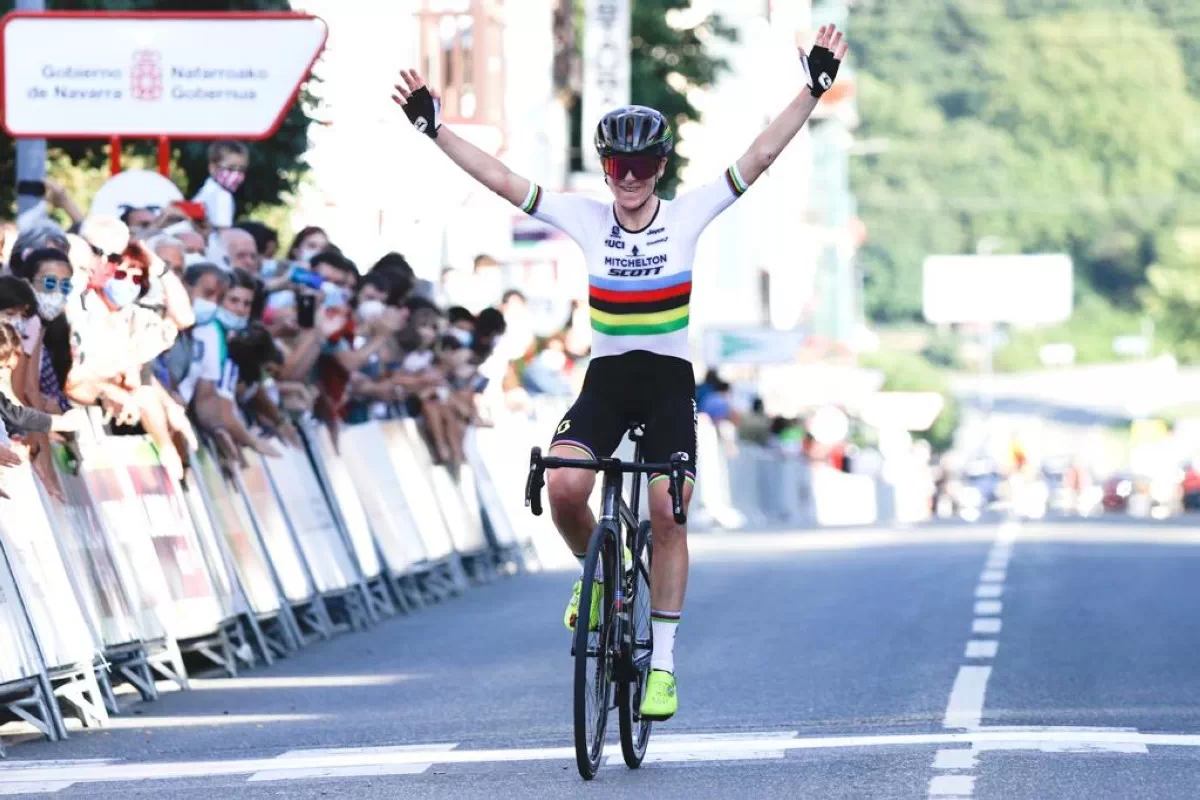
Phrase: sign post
{"type": "Point", "coordinates": [153, 75]}
{"type": "Point", "coordinates": [606, 70]}
{"type": "Point", "coordinates": [989, 289]}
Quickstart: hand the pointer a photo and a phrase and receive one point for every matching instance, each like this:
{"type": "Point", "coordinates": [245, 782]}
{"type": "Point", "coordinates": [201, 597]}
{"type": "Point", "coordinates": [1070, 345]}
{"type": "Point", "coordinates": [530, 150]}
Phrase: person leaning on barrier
{"type": "Point", "coordinates": [17, 419]}
{"type": "Point", "coordinates": [210, 386]}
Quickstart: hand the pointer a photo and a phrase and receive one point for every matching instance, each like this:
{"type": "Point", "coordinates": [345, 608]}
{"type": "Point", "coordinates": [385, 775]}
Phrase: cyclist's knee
{"type": "Point", "coordinates": [569, 488]}
{"type": "Point", "coordinates": [662, 515]}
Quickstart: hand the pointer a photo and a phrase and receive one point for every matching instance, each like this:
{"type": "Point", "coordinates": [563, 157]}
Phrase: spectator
{"type": "Point", "coordinates": [487, 284]}
{"type": "Point", "coordinates": [54, 196]}
{"type": "Point", "coordinates": [227, 163]}
{"type": "Point", "coordinates": [49, 275]}
{"type": "Point", "coordinates": [170, 249]}
{"type": "Point", "coordinates": [37, 238]}
{"type": "Point", "coordinates": [755, 427]}
{"type": "Point", "coordinates": [240, 250]}
{"type": "Point", "coordinates": [140, 221]}
{"type": "Point", "coordinates": [546, 372]}
{"type": "Point", "coordinates": [112, 336]}
{"type": "Point", "coordinates": [210, 386]}
{"type": "Point", "coordinates": [266, 240]}
{"type": "Point", "coordinates": [308, 242]}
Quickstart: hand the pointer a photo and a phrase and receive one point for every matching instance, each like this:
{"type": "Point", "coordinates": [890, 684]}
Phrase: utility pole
{"type": "Point", "coordinates": [30, 158]}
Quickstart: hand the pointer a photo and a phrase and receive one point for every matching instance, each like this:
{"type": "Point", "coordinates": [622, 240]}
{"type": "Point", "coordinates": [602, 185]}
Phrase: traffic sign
{"type": "Point", "coordinates": [150, 74]}
{"type": "Point", "coordinates": [751, 346]}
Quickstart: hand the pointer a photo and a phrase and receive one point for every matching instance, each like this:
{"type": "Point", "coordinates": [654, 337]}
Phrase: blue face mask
{"type": "Point", "coordinates": [206, 310]}
{"type": "Point", "coordinates": [232, 321]}
{"type": "Point", "coordinates": [121, 292]}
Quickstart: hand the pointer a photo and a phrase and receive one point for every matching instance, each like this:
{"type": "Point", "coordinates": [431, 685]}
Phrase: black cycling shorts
{"type": "Point", "coordinates": [655, 390]}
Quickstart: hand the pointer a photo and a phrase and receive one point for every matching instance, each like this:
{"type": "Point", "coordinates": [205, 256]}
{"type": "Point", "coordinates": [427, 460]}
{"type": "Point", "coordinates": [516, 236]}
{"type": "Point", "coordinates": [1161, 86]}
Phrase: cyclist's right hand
{"type": "Point", "coordinates": [421, 105]}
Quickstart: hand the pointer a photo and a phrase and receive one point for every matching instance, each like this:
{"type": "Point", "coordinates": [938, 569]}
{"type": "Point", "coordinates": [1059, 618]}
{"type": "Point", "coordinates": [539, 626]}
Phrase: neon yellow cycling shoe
{"type": "Point", "coordinates": [661, 700]}
{"type": "Point", "coordinates": [573, 606]}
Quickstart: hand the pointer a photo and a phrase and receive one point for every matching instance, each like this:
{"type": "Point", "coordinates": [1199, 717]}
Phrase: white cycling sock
{"type": "Point", "coordinates": [663, 625]}
{"type": "Point", "coordinates": [599, 567]}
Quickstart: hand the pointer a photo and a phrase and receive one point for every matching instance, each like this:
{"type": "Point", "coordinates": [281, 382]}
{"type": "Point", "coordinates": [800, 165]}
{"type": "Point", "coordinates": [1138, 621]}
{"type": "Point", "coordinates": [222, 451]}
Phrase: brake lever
{"type": "Point", "coordinates": [535, 482]}
{"type": "Point", "coordinates": [676, 489]}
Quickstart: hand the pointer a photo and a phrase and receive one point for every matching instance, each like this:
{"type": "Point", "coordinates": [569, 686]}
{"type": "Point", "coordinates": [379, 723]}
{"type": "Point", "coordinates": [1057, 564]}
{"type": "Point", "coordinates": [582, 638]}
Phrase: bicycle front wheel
{"type": "Point", "coordinates": [594, 652]}
{"type": "Point", "coordinates": [635, 731]}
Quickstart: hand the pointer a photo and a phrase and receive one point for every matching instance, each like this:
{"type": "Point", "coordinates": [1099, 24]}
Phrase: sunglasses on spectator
{"type": "Point", "coordinates": [113, 258]}
{"type": "Point", "coordinates": [138, 277]}
{"type": "Point", "coordinates": [53, 284]}
{"type": "Point", "coordinates": [642, 167]}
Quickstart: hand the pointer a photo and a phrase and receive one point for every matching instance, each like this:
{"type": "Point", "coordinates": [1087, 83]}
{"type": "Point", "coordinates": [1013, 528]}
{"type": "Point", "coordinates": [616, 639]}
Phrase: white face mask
{"type": "Point", "coordinates": [50, 304]}
{"type": "Point", "coordinates": [370, 310]}
{"type": "Point", "coordinates": [193, 258]}
{"type": "Point", "coordinates": [18, 324]}
{"type": "Point", "coordinates": [232, 321]}
{"type": "Point", "coordinates": [206, 310]}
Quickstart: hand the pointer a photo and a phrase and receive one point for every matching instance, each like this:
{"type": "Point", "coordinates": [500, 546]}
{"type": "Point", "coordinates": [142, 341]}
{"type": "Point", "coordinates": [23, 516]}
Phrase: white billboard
{"type": "Point", "coordinates": [751, 346]}
{"type": "Point", "coordinates": [605, 68]}
{"type": "Point", "coordinates": [204, 76]}
{"type": "Point", "coordinates": [1018, 289]}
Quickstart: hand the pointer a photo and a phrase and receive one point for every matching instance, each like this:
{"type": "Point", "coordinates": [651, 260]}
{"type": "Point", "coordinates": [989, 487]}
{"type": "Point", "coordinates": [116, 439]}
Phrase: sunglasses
{"type": "Point", "coordinates": [140, 278]}
{"type": "Point", "coordinates": [113, 258]}
{"type": "Point", "coordinates": [53, 284]}
{"type": "Point", "coordinates": [642, 167]}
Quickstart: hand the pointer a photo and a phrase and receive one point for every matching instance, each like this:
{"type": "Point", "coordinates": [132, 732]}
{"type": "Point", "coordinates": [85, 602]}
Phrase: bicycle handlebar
{"type": "Point", "coordinates": [673, 469]}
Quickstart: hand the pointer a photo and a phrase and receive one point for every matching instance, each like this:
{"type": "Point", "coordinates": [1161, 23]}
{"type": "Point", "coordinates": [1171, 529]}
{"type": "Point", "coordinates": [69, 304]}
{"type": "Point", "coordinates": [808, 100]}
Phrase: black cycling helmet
{"type": "Point", "coordinates": [634, 129]}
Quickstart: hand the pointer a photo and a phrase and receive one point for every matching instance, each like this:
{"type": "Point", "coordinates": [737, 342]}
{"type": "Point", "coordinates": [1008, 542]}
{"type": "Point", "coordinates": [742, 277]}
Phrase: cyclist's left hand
{"type": "Point", "coordinates": [821, 64]}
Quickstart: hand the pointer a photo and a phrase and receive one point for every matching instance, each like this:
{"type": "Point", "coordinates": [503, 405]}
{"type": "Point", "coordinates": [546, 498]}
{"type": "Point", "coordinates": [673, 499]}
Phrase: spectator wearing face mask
{"type": "Point", "coordinates": [253, 351]}
{"type": "Point", "coordinates": [49, 275]}
{"type": "Point", "coordinates": [17, 419]}
{"type": "Point", "coordinates": [227, 163]}
{"type": "Point", "coordinates": [210, 386]}
{"type": "Point", "coordinates": [376, 355]}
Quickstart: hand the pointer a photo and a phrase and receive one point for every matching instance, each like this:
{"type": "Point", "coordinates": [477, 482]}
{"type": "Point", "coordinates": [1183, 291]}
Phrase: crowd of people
{"type": "Point", "coordinates": [185, 325]}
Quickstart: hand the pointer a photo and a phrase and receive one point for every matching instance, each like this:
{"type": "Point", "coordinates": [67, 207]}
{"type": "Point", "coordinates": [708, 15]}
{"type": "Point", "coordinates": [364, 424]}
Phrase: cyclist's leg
{"type": "Point", "coordinates": [670, 428]}
{"type": "Point", "coordinates": [590, 429]}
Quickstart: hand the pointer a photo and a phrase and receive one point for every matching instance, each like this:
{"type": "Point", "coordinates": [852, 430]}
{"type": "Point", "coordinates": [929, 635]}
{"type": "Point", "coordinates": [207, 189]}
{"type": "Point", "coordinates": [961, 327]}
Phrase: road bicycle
{"type": "Point", "coordinates": [612, 662]}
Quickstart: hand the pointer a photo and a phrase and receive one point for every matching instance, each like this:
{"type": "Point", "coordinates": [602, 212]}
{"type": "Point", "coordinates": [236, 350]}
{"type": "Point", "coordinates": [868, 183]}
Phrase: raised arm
{"type": "Point", "coordinates": [423, 108]}
{"type": "Point", "coordinates": [820, 71]}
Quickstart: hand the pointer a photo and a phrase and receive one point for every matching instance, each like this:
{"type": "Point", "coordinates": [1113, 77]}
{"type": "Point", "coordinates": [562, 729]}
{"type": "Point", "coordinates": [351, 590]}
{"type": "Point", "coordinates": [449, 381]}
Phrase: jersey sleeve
{"type": "Point", "coordinates": [700, 206]}
{"type": "Point", "coordinates": [571, 214]}
{"type": "Point", "coordinates": [215, 365]}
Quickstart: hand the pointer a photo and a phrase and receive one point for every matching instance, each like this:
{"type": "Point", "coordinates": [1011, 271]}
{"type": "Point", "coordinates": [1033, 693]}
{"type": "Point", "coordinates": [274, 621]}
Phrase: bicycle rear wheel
{"type": "Point", "coordinates": [594, 654]}
{"type": "Point", "coordinates": [635, 731]}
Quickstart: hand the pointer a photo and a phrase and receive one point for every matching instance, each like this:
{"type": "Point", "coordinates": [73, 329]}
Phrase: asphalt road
{"type": "Point", "coordinates": [1032, 661]}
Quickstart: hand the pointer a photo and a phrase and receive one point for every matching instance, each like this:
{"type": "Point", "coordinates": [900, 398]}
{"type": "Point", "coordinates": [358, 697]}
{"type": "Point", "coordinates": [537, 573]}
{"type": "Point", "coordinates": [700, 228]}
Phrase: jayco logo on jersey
{"type": "Point", "coordinates": [655, 231]}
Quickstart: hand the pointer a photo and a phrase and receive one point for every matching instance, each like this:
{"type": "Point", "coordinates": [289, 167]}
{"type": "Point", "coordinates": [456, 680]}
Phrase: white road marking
{"type": "Point", "coordinates": [34, 788]}
{"type": "Point", "coordinates": [957, 758]}
{"type": "Point", "coordinates": [981, 648]}
{"type": "Point", "coordinates": [288, 773]}
{"type": "Point", "coordinates": [986, 625]}
{"type": "Point", "coordinates": [987, 590]}
{"type": "Point", "coordinates": [1072, 739]}
{"type": "Point", "coordinates": [992, 576]}
{"type": "Point", "coordinates": [985, 608]}
{"type": "Point", "coordinates": [952, 786]}
{"type": "Point", "coordinates": [965, 708]}
{"type": "Point", "coordinates": [299, 682]}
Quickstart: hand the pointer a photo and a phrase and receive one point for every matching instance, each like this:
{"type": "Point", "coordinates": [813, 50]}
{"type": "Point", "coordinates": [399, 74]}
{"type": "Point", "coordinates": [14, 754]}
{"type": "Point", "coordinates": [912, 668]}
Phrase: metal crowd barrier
{"type": "Point", "coordinates": [135, 577]}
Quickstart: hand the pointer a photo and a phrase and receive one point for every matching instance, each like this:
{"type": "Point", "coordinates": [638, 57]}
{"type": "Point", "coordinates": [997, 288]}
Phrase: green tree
{"type": "Point", "coordinates": [276, 164]}
{"type": "Point", "coordinates": [658, 52]}
{"type": "Point", "coordinates": [1021, 127]}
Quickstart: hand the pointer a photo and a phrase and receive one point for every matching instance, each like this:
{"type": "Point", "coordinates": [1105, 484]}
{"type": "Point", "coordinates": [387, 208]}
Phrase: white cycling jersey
{"type": "Point", "coordinates": [639, 282]}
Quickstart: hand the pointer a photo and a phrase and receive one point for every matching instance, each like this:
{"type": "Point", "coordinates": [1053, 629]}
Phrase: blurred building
{"type": "Point", "coordinates": [782, 256]}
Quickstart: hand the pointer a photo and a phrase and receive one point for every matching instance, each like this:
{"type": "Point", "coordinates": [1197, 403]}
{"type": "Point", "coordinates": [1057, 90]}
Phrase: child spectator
{"type": "Point", "coordinates": [227, 162]}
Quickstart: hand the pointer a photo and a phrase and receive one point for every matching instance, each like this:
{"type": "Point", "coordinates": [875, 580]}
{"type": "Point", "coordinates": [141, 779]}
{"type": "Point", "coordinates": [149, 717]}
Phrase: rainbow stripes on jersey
{"type": "Point", "coordinates": [640, 307]}
{"type": "Point", "coordinates": [532, 198]}
{"type": "Point", "coordinates": [734, 179]}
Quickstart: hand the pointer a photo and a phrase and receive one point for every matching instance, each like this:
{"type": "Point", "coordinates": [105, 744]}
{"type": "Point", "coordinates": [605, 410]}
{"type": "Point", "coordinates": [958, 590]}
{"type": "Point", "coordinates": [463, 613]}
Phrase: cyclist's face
{"type": "Point", "coordinates": [632, 192]}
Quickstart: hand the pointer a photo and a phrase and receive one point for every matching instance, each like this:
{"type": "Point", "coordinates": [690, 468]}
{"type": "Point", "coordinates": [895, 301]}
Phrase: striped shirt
{"type": "Point", "coordinates": [639, 282]}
